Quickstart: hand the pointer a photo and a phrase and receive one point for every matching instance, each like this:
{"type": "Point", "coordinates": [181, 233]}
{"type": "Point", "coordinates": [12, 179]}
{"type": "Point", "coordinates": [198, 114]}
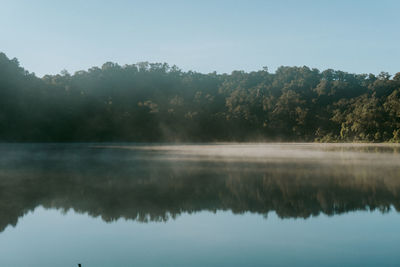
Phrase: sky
{"type": "Point", "coordinates": [48, 36]}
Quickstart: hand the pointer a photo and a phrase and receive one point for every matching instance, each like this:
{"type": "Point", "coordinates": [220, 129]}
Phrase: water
{"type": "Point", "coordinates": [199, 205]}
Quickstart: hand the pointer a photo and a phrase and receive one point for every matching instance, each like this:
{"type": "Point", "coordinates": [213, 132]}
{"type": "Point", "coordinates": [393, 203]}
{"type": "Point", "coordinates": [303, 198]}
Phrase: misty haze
{"type": "Point", "coordinates": [199, 133]}
{"type": "Point", "coordinates": [142, 204]}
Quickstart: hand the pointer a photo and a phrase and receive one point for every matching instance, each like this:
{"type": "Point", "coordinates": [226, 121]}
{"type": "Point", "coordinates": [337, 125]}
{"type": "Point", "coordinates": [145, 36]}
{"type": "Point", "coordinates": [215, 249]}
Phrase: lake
{"type": "Point", "coordinates": [275, 204]}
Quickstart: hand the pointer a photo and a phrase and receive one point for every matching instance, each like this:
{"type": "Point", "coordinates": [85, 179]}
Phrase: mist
{"type": "Point", "coordinates": [155, 102]}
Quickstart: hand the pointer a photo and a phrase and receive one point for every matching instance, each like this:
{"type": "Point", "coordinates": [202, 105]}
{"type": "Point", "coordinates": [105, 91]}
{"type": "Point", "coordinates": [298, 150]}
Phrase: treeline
{"type": "Point", "coordinates": [156, 102]}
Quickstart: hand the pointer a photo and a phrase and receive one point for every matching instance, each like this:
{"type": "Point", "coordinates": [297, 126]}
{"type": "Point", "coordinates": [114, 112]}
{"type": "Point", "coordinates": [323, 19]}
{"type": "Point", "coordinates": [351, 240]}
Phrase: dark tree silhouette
{"type": "Point", "coordinates": [156, 102]}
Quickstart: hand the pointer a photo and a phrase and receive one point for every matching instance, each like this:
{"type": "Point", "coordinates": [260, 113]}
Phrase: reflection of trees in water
{"type": "Point", "coordinates": [115, 185]}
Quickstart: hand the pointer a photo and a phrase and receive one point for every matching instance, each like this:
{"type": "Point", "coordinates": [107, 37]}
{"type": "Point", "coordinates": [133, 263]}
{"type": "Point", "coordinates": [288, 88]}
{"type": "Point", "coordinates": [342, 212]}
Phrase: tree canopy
{"type": "Point", "coordinates": [147, 102]}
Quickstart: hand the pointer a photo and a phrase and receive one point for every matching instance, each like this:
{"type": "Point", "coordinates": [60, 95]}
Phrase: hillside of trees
{"type": "Point", "coordinates": [147, 102]}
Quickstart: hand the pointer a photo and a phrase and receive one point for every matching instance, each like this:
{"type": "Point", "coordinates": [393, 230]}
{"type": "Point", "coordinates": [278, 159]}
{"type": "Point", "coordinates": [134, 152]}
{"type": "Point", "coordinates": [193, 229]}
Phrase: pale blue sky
{"type": "Point", "coordinates": [355, 36]}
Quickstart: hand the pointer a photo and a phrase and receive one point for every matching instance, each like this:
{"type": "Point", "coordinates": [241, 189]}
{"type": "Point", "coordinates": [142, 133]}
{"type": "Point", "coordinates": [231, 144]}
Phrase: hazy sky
{"type": "Point", "coordinates": [355, 36]}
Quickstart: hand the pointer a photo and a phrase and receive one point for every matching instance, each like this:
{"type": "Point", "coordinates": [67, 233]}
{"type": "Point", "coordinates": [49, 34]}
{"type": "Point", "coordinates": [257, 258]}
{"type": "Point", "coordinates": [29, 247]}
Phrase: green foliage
{"type": "Point", "coordinates": [157, 102]}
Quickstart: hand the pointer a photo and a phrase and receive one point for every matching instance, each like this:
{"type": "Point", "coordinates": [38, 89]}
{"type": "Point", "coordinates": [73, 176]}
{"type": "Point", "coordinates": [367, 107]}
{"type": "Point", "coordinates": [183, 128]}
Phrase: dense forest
{"type": "Point", "coordinates": [147, 102]}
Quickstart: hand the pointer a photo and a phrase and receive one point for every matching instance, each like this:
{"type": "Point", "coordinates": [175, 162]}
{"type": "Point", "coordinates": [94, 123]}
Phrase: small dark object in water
{"type": "Point", "coordinates": [79, 265]}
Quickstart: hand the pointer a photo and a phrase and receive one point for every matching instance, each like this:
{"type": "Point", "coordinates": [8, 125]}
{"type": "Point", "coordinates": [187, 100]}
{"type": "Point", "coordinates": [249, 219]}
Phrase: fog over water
{"type": "Point", "coordinates": [159, 198]}
{"type": "Point", "coordinates": [273, 152]}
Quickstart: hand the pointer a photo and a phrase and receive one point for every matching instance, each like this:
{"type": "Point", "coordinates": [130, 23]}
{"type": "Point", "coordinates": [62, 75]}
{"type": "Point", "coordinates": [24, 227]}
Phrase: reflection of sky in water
{"type": "Point", "coordinates": [48, 238]}
{"type": "Point", "coordinates": [110, 191]}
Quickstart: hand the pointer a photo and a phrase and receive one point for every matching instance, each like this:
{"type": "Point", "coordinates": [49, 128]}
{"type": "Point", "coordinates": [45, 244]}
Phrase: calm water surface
{"type": "Point", "coordinates": [199, 205]}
